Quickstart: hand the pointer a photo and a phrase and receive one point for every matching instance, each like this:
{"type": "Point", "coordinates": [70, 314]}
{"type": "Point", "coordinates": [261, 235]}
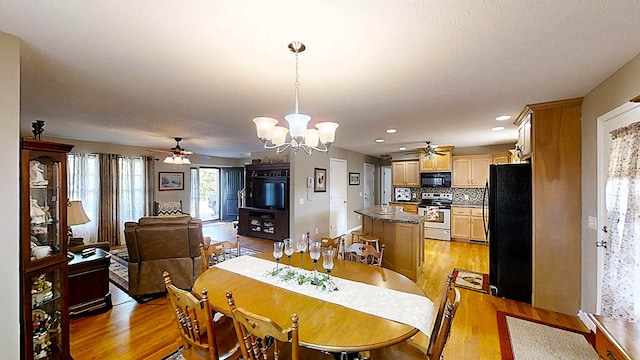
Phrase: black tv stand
{"type": "Point", "coordinates": [263, 223]}
{"type": "Point", "coordinates": [254, 220]}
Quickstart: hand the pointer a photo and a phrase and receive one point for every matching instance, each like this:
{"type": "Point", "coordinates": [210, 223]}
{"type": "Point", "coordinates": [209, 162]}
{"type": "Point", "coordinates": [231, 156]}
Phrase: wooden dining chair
{"type": "Point", "coordinates": [218, 252]}
{"type": "Point", "coordinates": [410, 351]}
{"type": "Point", "coordinates": [364, 253]}
{"type": "Point", "coordinates": [334, 243]}
{"type": "Point", "coordinates": [448, 296]}
{"type": "Point", "coordinates": [262, 339]}
{"type": "Point", "coordinates": [203, 337]}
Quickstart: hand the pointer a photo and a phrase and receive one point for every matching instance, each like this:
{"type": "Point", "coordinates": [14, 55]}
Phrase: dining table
{"type": "Point", "coordinates": [372, 307]}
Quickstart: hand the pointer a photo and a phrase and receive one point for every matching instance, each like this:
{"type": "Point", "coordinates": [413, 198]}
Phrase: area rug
{"type": "Point", "coordinates": [471, 280]}
{"type": "Point", "coordinates": [524, 339]}
{"type": "Point", "coordinates": [119, 268]}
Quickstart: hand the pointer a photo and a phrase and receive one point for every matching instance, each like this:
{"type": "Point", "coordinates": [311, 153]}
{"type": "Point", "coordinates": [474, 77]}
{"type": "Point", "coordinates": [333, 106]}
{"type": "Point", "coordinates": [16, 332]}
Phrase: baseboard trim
{"type": "Point", "coordinates": [586, 321]}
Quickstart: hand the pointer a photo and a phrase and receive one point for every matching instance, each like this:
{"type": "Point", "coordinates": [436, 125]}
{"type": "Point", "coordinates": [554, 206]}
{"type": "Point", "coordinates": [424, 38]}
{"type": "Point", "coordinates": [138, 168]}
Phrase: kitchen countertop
{"type": "Point", "coordinates": [390, 214]}
{"type": "Point", "coordinates": [405, 202]}
{"type": "Point", "coordinates": [468, 205]}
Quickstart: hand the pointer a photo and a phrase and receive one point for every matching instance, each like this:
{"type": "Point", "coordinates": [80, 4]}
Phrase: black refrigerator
{"type": "Point", "coordinates": [510, 254]}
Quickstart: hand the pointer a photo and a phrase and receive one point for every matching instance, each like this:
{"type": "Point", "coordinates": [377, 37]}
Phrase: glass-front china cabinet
{"type": "Point", "coordinates": [43, 250]}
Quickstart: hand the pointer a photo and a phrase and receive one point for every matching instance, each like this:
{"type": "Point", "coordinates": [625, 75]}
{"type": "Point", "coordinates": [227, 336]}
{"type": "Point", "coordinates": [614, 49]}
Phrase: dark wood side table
{"type": "Point", "coordinates": [89, 283]}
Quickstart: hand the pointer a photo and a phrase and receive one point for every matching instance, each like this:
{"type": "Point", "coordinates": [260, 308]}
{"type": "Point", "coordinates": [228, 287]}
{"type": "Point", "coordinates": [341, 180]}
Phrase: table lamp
{"type": "Point", "coordinates": [75, 216]}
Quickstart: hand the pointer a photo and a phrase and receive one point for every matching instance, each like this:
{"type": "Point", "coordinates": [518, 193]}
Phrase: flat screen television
{"type": "Point", "coordinates": [270, 192]}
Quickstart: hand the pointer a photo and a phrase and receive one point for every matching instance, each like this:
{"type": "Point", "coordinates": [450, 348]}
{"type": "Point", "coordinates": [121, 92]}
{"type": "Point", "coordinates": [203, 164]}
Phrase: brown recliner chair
{"type": "Point", "coordinates": [158, 244]}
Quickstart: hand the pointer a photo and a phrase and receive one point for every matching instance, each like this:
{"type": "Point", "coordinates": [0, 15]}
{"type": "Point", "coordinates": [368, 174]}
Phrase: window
{"type": "Point", "coordinates": [83, 184]}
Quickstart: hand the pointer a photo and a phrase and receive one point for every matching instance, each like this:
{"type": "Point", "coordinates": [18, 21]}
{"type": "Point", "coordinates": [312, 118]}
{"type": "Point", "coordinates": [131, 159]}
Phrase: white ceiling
{"type": "Point", "coordinates": [141, 72]}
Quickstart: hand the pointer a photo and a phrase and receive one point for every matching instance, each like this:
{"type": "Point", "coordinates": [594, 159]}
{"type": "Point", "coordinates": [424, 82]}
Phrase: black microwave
{"type": "Point", "coordinates": [439, 179]}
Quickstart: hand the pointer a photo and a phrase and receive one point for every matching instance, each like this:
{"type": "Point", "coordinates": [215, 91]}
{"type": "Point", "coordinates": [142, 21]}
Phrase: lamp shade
{"type": "Point", "coordinates": [264, 127]}
{"type": "Point", "coordinates": [76, 214]}
{"type": "Point", "coordinates": [297, 125]}
{"type": "Point", "coordinates": [327, 131]}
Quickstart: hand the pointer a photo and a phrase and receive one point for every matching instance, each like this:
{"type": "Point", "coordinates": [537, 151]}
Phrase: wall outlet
{"type": "Point", "coordinates": [316, 231]}
{"type": "Point", "coordinates": [466, 197]}
{"type": "Point", "coordinates": [360, 193]}
{"type": "Point", "coordinates": [359, 216]}
{"type": "Point", "coordinates": [301, 201]}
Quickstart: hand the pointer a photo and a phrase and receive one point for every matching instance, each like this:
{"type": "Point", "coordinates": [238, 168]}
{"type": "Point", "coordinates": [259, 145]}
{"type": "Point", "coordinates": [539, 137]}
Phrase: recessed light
{"type": "Point", "coordinates": [391, 131]}
{"type": "Point", "coordinates": [503, 117]}
{"type": "Point", "coordinates": [497, 128]}
{"type": "Point", "coordinates": [402, 148]}
{"type": "Point", "coordinates": [379, 140]}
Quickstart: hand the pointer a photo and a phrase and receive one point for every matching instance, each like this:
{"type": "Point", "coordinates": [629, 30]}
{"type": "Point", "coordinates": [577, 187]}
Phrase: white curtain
{"type": "Point", "coordinates": [194, 195]}
{"type": "Point", "coordinates": [132, 191]}
{"type": "Point", "coordinates": [83, 183]}
{"type": "Point", "coordinates": [621, 277]}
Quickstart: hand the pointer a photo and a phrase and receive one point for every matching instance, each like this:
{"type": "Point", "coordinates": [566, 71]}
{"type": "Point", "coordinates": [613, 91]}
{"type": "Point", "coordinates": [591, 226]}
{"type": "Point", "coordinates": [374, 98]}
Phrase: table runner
{"type": "Point", "coordinates": [410, 309]}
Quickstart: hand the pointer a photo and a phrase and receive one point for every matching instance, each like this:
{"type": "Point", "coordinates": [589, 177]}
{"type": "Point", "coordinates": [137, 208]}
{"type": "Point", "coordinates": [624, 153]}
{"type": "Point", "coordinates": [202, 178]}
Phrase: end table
{"type": "Point", "coordinates": [89, 283]}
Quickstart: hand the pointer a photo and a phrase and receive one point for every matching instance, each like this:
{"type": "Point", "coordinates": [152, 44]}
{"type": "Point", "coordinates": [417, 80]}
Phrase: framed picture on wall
{"type": "Point", "coordinates": [320, 180]}
{"type": "Point", "coordinates": [354, 178]}
{"type": "Point", "coordinates": [170, 181]}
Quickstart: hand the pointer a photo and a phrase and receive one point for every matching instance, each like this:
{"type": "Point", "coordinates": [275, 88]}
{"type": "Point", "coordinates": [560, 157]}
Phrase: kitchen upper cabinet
{"type": "Point", "coordinates": [440, 163]}
{"type": "Point", "coordinates": [405, 173]}
{"type": "Point", "coordinates": [470, 171]}
{"type": "Point", "coordinates": [501, 158]}
{"type": "Point", "coordinates": [523, 146]}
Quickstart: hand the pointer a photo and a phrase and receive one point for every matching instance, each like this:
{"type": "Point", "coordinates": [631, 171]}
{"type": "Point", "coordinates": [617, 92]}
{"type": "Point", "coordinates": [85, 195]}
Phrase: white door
{"type": "Point", "coordinates": [369, 185]}
{"type": "Point", "coordinates": [338, 197]}
{"type": "Point", "coordinates": [386, 185]}
{"type": "Point", "coordinates": [621, 116]}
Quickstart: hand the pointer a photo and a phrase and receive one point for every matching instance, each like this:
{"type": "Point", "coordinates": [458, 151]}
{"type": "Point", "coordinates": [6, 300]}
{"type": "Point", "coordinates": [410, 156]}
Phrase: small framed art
{"type": "Point", "coordinates": [320, 180]}
{"type": "Point", "coordinates": [354, 178]}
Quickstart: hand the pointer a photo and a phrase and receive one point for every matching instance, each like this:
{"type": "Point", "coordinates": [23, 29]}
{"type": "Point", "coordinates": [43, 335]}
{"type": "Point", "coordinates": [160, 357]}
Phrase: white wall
{"type": "Point", "coordinates": [10, 309]}
{"type": "Point", "coordinates": [618, 89]}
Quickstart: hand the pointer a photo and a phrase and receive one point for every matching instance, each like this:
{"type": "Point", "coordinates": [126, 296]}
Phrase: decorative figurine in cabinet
{"type": "Point", "coordinates": [43, 250]}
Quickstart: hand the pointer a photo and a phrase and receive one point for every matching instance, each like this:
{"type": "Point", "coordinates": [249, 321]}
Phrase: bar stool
{"type": "Point", "coordinates": [356, 235]}
{"type": "Point", "coordinates": [371, 240]}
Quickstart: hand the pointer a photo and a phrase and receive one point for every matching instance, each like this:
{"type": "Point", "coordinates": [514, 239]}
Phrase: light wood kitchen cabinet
{"type": "Point", "coordinates": [467, 223]}
{"type": "Point", "coordinates": [440, 163]}
{"type": "Point", "coordinates": [470, 171]}
{"type": "Point", "coordinates": [501, 158]}
{"type": "Point", "coordinates": [408, 208]}
{"type": "Point", "coordinates": [405, 173]}
{"type": "Point", "coordinates": [523, 146]}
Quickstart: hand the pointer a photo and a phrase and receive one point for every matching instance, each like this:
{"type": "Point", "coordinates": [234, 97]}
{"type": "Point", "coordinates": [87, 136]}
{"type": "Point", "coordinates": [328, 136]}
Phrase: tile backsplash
{"type": "Point", "coordinates": [475, 195]}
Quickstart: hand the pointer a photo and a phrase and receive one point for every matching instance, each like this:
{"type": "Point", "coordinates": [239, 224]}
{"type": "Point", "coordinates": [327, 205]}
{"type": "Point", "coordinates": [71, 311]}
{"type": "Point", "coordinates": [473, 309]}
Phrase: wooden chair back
{"type": "Point", "coordinates": [334, 243]}
{"type": "Point", "coordinates": [448, 296]}
{"type": "Point", "coordinates": [445, 327]}
{"type": "Point", "coordinates": [260, 338]}
{"type": "Point", "coordinates": [365, 253]}
{"type": "Point", "coordinates": [194, 318]}
{"type": "Point", "coordinates": [218, 252]}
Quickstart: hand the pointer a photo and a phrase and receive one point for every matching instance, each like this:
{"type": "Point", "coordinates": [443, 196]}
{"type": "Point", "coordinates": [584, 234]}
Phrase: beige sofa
{"type": "Point", "coordinates": [156, 244]}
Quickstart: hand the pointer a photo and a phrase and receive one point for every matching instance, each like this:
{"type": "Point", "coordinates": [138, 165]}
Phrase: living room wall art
{"type": "Point", "coordinates": [171, 181]}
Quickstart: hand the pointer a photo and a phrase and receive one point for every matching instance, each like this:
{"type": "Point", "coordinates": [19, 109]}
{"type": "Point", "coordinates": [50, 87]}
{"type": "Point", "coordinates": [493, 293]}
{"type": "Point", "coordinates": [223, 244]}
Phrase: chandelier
{"type": "Point", "coordinates": [275, 137]}
{"type": "Point", "coordinates": [178, 155]}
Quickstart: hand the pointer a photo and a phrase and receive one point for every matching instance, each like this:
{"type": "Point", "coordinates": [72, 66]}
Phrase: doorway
{"type": "Point", "coordinates": [369, 185]}
{"type": "Point", "coordinates": [619, 117]}
{"type": "Point", "coordinates": [338, 199]}
{"type": "Point", "coordinates": [208, 200]}
{"type": "Point", "coordinates": [386, 185]}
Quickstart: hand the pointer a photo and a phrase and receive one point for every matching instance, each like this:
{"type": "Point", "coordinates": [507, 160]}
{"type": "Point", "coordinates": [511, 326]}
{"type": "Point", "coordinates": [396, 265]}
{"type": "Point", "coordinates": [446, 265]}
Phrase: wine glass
{"type": "Point", "coordinates": [327, 260]}
{"type": "Point", "coordinates": [301, 245]}
{"type": "Point", "coordinates": [315, 248]}
{"type": "Point", "coordinates": [288, 249]}
{"type": "Point", "coordinates": [277, 252]}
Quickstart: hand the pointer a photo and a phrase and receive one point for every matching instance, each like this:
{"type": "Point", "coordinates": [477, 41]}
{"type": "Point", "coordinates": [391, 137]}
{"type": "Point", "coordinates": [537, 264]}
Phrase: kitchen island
{"type": "Point", "coordinates": [402, 234]}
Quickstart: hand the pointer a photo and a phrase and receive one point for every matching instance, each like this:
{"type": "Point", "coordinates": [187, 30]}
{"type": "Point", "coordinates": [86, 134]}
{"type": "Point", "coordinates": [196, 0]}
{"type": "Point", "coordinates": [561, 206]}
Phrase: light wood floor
{"type": "Point", "coordinates": [147, 331]}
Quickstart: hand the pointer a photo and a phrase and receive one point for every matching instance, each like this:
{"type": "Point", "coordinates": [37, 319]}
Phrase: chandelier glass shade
{"type": "Point", "coordinates": [301, 137]}
{"type": "Point", "coordinates": [177, 160]}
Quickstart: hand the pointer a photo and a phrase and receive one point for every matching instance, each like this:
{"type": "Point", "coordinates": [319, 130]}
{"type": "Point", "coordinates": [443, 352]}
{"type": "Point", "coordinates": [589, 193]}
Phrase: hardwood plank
{"type": "Point", "coordinates": [148, 331]}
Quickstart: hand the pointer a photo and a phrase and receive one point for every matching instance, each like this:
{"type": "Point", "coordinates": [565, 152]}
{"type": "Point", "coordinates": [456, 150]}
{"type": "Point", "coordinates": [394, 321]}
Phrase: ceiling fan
{"type": "Point", "coordinates": [429, 151]}
{"type": "Point", "coordinates": [177, 154]}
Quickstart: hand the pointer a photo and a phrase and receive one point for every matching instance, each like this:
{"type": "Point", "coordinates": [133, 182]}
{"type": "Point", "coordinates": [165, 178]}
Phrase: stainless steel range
{"type": "Point", "coordinates": [437, 211]}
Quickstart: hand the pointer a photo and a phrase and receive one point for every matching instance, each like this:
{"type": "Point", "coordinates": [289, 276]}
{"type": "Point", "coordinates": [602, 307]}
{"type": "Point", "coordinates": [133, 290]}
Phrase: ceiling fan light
{"type": "Point", "coordinates": [327, 131]}
{"type": "Point", "coordinates": [311, 137]}
{"type": "Point", "coordinates": [168, 160]}
{"type": "Point", "coordinates": [185, 160]}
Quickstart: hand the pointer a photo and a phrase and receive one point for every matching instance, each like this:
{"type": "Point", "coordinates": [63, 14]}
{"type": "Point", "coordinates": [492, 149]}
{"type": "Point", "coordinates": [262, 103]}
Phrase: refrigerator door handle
{"type": "Point", "coordinates": [485, 194]}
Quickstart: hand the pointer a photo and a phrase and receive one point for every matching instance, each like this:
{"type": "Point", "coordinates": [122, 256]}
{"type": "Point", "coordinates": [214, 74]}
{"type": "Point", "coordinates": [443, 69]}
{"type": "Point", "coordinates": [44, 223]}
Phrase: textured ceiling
{"type": "Point", "coordinates": [144, 71]}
